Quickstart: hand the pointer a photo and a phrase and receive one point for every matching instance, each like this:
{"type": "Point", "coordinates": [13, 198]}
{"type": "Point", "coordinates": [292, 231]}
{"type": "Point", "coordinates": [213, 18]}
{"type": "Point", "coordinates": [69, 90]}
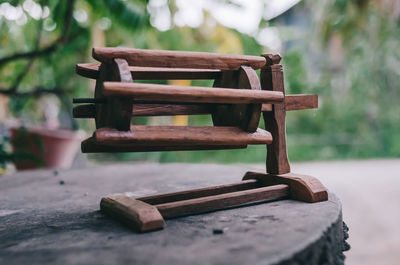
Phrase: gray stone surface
{"type": "Point", "coordinates": [53, 218]}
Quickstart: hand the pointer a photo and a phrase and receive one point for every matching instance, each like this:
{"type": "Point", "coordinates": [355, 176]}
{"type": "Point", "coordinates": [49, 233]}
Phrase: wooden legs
{"type": "Point", "coordinates": [137, 214]}
{"type": "Point", "coordinates": [148, 213]}
{"type": "Point", "coordinates": [301, 187]}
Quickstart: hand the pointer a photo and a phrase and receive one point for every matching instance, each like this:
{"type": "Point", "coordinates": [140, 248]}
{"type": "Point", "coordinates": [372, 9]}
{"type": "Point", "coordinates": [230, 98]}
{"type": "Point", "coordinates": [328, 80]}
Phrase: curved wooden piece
{"type": "Point", "coordinates": [245, 116]}
{"type": "Point", "coordinates": [177, 59]}
{"type": "Point", "coordinates": [115, 112]}
{"type": "Point", "coordinates": [302, 187]}
{"type": "Point", "coordinates": [137, 214]}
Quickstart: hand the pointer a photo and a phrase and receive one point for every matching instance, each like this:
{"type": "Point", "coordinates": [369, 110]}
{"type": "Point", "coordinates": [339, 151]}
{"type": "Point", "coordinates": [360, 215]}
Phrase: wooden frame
{"type": "Point", "coordinates": [236, 102]}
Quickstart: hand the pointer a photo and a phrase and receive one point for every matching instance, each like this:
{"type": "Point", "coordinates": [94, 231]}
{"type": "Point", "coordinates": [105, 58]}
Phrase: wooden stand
{"type": "Point", "coordinates": [235, 103]}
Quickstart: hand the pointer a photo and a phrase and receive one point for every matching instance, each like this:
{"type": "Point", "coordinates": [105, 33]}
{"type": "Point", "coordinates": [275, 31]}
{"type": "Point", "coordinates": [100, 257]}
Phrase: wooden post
{"type": "Point", "coordinates": [272, 79]}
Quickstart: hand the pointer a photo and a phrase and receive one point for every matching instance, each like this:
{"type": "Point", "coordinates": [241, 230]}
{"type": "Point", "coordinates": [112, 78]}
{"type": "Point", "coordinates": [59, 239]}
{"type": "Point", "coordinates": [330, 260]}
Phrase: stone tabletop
{"type": "Point", "coordinates": [53, 217]}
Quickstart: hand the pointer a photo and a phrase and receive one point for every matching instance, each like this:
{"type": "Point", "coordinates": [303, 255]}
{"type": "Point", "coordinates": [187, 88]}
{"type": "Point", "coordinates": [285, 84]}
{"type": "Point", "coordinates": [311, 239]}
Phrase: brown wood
{"type": "Point", "coordinates": [301, 187]}
{"type": "Point", "coordinates": [91, 145]}
{"type": "Point", "coordinates": [272, 80]}
{"type": "Point", "coordinates": [137, 214]}
{"type": "Point", "coordinates": [115, 112]}
{"type": "Point", "coordinates": [91, 70]}
{"type": "Point", "coordinates": [245, 116]}
{"type": "Point", "coordinates": [170, 110]}
{"type": "Point", "coordinates": [296, 102]}
{"type": "Point", "coordinates": [105, 74]}
{"type": "Point", "coordinates": [300, 102]}
{"type": "Point", "coordinates": [141, 91]}
{"type": "Point", "coordinates": [235, 103]}
{"type": "Point", "coordinates": [182, 135]}
{"type": "Point", "coordinates": [202, 192]}
{"type": "Point", "coordinates": [177, 59]}
{"type": "Point", "coordinates": [292, 102]}
{"type": "Point", "coordinates": [216, 202]}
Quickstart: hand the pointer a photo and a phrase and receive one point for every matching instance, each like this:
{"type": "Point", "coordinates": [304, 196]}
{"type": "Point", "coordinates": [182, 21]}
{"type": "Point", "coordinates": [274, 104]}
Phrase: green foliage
{"type": "Point", "coordinates": [349, 56]}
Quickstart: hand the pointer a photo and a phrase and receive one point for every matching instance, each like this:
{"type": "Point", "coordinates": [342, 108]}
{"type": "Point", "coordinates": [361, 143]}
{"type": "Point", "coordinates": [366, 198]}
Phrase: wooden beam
{"type": "Point", "coordinates": [272, 80]}
{"type": "Point", "coordinates": [91, 70]}
{"type": "Point", "coordinates": [300, 102]}
{"type": "Point", "coordinates": [182, 135]}
{"type": "Point", "coordinates": [215, 202]}
{"type": "Point", "coordinates": [193, 94]}
{"type": "Point", "coordinates": [177, 59]}
{"type": "Point", "coordinates": [91, 145]}
{"type": "Point", "coordinates": [137, 214]}
{"type": "Point", "coordinates": [202, 192]}
{"type": "Point", "coordinates": [296, 102]}
{"type": "Point", "coordinates": [170, 109]}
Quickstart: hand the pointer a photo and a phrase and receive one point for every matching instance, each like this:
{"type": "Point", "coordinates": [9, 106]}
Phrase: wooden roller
{"type": "Point", "coordinates": [156, 92]}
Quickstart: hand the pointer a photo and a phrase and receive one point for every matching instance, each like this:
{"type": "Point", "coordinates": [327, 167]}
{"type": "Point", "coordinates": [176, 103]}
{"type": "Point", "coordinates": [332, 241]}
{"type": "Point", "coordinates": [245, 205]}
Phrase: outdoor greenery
{"type": "Point", "coordinates": [345, 51]}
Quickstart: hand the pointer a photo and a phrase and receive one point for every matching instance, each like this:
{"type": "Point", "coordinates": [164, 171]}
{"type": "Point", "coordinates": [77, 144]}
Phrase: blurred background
{"type": "Point", "coordinates": [346, 51]}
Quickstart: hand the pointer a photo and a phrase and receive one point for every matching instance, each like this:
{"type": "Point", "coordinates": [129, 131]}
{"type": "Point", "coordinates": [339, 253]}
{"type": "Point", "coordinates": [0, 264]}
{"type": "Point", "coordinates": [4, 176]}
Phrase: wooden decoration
{"type": "Point", "coordinates": [235, 103]}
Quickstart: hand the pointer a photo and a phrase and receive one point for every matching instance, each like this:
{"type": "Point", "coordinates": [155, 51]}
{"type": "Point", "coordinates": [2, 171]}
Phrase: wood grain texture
{"type": "Point", "coordinates": [91, 145]}
{"type": "Point", "coordinates": [272, 80]}
{"type": "Point", "coordinates": [137, 214]}
{"type": "Point", "coordinates": [216, 202]}
{"type": "Point", "coordinates": [170, 109]}
{"type": "Point", "coordinates": [245, 116]}
{"type": "Point", "coordinates": [91, 70]}
{"type": "Point", "coordinates": [182, 135]}
{"type": "Point", "coordinates": [202, 192]}
{"type": "Point", "coordinates": [296, 102]}
{"type": "Point", "coordinates": [177, 59]}
{"type": "Point", "coordinates": [194, 94]}
{"type": "Point", "coordinates": [89, 110]}
{"type": "Point", "coordinates": [300, 102]}
{"type": "Point", "coordinates": [301, 187]}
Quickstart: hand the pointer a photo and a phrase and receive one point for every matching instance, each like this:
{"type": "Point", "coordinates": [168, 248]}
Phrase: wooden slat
{"type": "Point", "coordinates": [91, 70]}
{"type": "Point", "coordinates": [142, 216]}
{"type": "Point", "coordinates": [170, 110]}
{"type": "Point", "coordinates": [296, 102]}
{"type": "Point", "coordinates": [293, 102]}
{"type": "Point", "coordinates": [182, 135]}
{"type": "Point", "coordinates": [202, 192]}
{"type": "Point", "coordinates": [211, 203]}
{"type": "Point", "coordinates": [178, 59]}
{"type": "Point", "coordinates": [190, 94]}
{"type": "Point", "coordinates": [91, 145]}
{"type": "Point", "coordinates": [299, 102]}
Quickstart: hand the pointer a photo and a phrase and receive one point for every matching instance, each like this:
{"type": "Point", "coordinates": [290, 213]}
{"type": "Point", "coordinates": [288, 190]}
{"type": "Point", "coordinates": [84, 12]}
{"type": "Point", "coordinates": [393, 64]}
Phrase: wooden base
{"type": "Point", "coordinates": [148, 213]}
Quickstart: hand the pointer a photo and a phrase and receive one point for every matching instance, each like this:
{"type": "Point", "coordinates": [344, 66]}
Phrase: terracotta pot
{"type": "Point", "coordinates": [37, 147]}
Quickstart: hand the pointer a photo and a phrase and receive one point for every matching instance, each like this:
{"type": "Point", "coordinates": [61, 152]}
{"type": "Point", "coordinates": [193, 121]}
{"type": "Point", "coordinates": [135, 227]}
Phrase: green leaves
{"type": "Point", "coordinates": [130, 14]}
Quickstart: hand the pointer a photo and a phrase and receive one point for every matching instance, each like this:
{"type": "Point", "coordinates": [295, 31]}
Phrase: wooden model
{"type": "Point", "coordinates": [235, 103]}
